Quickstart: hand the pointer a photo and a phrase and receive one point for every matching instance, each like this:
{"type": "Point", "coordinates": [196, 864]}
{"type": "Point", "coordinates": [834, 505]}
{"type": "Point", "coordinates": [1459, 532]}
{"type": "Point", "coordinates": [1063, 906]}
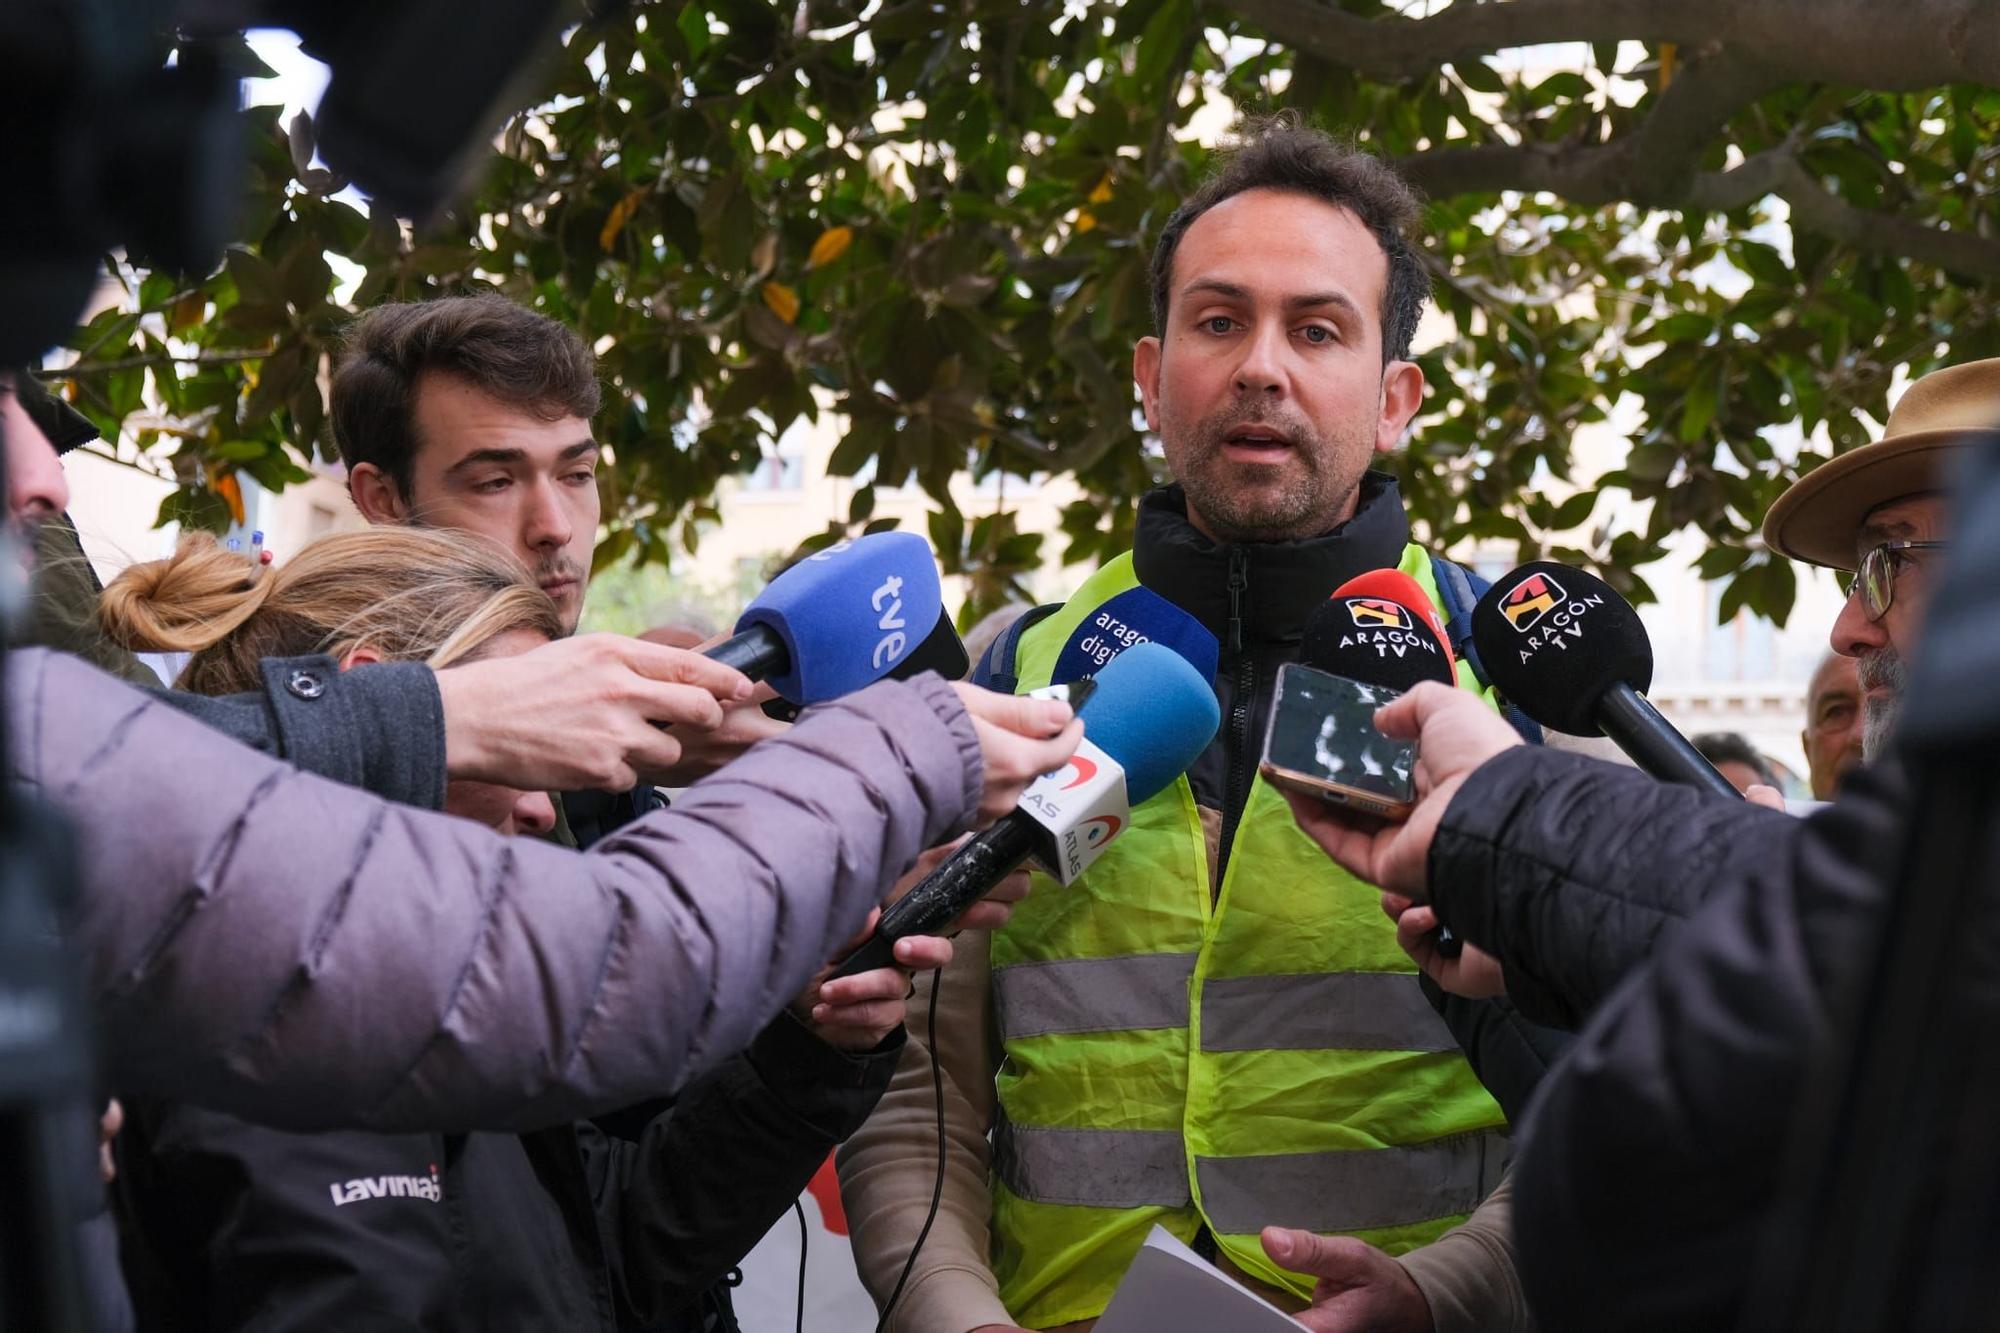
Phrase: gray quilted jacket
{"type": "Point", "coordinates": [284, 948]}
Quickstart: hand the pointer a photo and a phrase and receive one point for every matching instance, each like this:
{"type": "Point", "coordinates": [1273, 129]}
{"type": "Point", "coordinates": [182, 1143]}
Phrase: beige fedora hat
{"type": "Point", "coordinates": [1817, 518]}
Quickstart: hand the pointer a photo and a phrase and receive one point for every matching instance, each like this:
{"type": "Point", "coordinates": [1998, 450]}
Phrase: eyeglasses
{"type": "Point", "coordinates": [1876, 578]}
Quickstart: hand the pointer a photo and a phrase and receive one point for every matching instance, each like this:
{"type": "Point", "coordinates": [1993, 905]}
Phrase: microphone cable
{"type": "Point", "coordinates": [799, 1324]}
{"type": "Point", "coordinates": [937, 1186]}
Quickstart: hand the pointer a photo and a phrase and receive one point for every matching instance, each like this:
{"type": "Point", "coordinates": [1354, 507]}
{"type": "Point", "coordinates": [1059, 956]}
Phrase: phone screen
{"type": "Point", "coordinates": [1323, 737]}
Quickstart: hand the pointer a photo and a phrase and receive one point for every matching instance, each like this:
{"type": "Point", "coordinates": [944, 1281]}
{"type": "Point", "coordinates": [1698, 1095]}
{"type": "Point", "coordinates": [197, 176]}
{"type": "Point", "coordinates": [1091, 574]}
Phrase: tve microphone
{"type": "Point", "coordinates": [943, 652]}
{"type": "Point", "coordinates": [1135, 616]}
{"type": "Point", "coordinates": [1149, 717]}
{"type": "Point", "coordinates": [1571, 654]}
{"type": "Point", "coordinates": [1379, 628]}
{"type": "Point", "coordinates": [839, 619]}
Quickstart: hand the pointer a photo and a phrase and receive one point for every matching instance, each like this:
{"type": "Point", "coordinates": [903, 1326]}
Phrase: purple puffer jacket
{"type": "Point", "coordinates": [293, 951]}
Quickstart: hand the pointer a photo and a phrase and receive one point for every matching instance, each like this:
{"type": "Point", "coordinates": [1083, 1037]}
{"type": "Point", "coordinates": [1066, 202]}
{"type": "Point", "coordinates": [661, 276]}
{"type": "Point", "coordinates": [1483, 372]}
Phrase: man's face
{"type": "Point", "coordinates": [1881, 648]}
{"type": "Point", "coordinates": [1832, 738]}
{"type": "Point", "coordinates": [36, 489]}
{"type": "Point", "coordinates": [492, 468]}
{"type": "Point", "coordinates": [1268, 388]}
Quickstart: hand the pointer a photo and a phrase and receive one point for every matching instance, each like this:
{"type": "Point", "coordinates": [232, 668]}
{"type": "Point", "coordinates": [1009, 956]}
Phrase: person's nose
{"type": "Point", "coordinates": [36, 487]}
{"type": "Point", "coordinates": [1853, 632]}
{"type": "Point", "coordinates": [547, 524]}
{"type": "Point", "coordinates": [1262, 369]}
{"type": "Point", "coordinates": [534, 813]}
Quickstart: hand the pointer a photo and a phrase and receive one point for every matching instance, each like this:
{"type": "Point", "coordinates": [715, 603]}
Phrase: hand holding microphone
{"type": "Point", "coordinates": [1147, 718]}
{"type": "Point", "coordinates": [1568, 651]}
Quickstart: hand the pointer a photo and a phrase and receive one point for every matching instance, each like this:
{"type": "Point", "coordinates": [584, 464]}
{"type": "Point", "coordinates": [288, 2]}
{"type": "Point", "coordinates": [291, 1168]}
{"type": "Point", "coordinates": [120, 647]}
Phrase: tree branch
{"type": "Point", "coordinates": [1581, 175]}
{"type": "Point", "coordinates": [82, 368]}
{"type": "Point", "coordinates": [1890, 45]}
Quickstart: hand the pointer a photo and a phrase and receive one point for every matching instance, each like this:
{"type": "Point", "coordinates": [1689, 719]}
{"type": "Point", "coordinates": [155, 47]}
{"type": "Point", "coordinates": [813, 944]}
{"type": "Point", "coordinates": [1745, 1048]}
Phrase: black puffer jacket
{"type": "Point", "coordinates": [232, 1226]}
{"type": "Point", "coordinates": [1698, 937]}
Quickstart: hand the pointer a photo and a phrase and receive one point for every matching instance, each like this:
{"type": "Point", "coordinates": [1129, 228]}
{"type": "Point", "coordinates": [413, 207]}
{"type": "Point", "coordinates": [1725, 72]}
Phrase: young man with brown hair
{"type": "Point", "coordinates": [1227, 1037]}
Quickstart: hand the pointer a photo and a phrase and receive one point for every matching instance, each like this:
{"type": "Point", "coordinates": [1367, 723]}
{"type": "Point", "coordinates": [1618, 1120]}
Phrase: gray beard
{"type": "Point", "coordinates": [1879, 712]}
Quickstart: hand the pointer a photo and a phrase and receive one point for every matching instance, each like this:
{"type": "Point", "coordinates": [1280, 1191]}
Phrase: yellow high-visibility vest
{"type": "Point", "coordinates": [1259, 1057]}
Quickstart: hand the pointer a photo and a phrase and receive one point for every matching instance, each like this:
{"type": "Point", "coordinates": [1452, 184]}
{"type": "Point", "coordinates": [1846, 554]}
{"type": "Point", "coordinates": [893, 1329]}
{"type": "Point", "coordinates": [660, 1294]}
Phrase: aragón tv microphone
{"type": "Point", "coordinates": [1376, 637]}
{"type": "Point", "coordinates": [1149, 716]}
{"type": "Point", "coordinates": [839, 619]}
{"type": "Point", "coordinates": [1571, 653]}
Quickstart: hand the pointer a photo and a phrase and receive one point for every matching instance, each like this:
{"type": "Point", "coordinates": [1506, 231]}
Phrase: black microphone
{"type": "Point", "coordinates": [1380, 629]}
{"type": "Point", "coordinates": [1571, 654]}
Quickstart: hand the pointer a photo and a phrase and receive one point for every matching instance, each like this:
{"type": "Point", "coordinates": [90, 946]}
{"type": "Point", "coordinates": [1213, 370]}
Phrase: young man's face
{"type": "Point", "coordinates": [1267, 387]}
{"type": "Point", "coordinates": [1881, 648]}
{"type": "Point", "coordinates": [492, 468]}
{"type": "Point", "coordinates": [36, 488]}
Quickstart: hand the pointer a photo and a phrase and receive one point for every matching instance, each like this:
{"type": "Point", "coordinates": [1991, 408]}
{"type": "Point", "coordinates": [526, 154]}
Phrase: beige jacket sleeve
{"type": "Point", "coordinates": [889, 1167]}
{"type": "Point", "coordinates": [1467, 1274]}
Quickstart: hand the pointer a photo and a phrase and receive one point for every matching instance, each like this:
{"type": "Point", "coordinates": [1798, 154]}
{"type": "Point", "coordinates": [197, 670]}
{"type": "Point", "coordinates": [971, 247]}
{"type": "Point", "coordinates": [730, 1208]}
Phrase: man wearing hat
{"type": "Point", "coordinates": [1877, 514]}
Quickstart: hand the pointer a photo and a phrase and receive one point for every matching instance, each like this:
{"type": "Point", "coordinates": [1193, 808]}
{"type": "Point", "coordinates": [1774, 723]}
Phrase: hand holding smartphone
{"type": "Point", "coordinates": [1322, 742]}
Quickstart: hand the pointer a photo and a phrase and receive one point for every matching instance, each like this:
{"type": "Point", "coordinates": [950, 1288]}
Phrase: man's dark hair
{"type": "Point", "coordinates": [1282, 154]}
{"type": "Point", "coordinates": [504, 350]}
{"type": "Point", "coordinates": [1722, 747]}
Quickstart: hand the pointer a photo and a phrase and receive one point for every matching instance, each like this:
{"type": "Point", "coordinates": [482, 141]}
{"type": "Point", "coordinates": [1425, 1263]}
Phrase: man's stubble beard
{"type": "Point", "coordinates": [1879, 669]}
{"type": "Point", "coordinates": [1309, 500]}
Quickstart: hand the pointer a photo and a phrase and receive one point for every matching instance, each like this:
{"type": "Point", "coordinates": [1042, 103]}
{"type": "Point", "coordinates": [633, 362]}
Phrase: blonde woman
{"type": "Point", "coordinates": [234, 1226]}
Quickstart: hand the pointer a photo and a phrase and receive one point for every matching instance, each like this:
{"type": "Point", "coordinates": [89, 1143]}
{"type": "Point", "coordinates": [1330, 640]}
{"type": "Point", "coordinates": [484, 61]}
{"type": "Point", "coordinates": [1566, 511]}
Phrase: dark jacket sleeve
{"type": "Point", "coordinates": [380, 728]}
{"type": "Point", "coordinates": [710, 1175]}
{"type": "Point", "coordinates": [1567, 869]}
{"type": "Point", "coordinates": [284, 948]}
{"type": "Point", "coordinates": [1651, 1154]}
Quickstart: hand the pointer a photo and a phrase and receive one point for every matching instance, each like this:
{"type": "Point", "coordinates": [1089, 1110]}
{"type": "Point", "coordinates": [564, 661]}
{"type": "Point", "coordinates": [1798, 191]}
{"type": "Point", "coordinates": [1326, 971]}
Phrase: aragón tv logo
{"type": "Point", "coordinates": [1542, 612]}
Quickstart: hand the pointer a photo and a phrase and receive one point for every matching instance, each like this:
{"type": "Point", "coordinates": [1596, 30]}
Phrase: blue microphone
{"type": "Point", "coordinates": [1152, 713]}
{"type": "Point", "coordinates": [839, 619]}
{"type": "Point", "coordinates": [1135, 616]}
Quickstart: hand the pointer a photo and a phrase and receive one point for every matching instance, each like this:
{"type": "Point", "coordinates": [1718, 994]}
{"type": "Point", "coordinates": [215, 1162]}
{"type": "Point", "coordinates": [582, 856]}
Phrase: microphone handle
{"type": "Point", "coordinates": [757, 652]}
{"type": "Point", "coordinates": [966, 876]}
{"type": "Point", "coordinates": [1653, 744]}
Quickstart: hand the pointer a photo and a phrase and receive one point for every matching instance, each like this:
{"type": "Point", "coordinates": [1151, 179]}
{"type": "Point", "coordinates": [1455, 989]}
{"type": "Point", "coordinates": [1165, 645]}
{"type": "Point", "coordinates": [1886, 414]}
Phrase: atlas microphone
{"type": "Point", "coordinates": [1571, 653]}
{"type": "Point", "coordinates": [839, 619]}
{"type": "Point", "coordinates": [1149, 715]}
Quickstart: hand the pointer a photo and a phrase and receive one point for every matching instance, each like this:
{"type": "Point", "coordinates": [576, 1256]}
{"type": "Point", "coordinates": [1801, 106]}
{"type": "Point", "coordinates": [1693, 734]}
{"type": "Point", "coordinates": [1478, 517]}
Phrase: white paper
{"type": "Point", "coordinates": [1171, 1289]}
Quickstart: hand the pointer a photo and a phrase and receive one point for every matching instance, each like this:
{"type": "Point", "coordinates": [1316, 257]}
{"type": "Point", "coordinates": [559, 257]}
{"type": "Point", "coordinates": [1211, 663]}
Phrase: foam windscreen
{"type": "Point", "coordinates": [1381, 629]}
{"type": "Point", "coordinates": [1137, 615]}
{"type": "Point", "coordinates": [850, 614]}
{"type": "Point", "coordinates": [1154, 713]}
{"type": "Point", "coordinates": [1553, 639]}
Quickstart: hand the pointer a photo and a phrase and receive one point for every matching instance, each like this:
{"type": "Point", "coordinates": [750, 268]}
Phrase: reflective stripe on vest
{"type": "Point", "coordinates": [1367, 1011]}
{"type": "Point", "coordinates": [1315, 1191]}
{"type": "Point", "coordinates": [1261, 1054]}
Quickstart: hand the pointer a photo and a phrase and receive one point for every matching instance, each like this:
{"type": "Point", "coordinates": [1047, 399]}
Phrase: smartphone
{"type": "Point", "coordinates": [1322, 742]}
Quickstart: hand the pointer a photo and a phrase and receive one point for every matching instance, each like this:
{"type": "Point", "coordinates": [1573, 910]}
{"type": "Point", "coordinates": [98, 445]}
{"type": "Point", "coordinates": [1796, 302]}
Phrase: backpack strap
{"type": "Point", "coordinates": [996, 668]}
{"type": "Point", "coordinates": [1460, 589]}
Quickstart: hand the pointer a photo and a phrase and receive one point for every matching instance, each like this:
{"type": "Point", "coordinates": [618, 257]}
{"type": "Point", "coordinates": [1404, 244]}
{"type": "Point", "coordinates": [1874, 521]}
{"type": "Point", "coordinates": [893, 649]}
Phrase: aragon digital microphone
{"type": "Point", "coordinates": [839, 619]}
{"type": "Point", "coordinates": [1571, 654]}
{"type": "Point", "coordinates": [1150, 715]}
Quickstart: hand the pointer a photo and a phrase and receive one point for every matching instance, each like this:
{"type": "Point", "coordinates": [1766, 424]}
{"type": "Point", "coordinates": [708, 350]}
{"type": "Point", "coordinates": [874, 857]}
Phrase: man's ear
{"type": "Point", "coordinates": [1402, 394]}
{"type": "Point", "coordinates": [1146, 374]}
{"type": "Point", "coordinates": [360, 655]}
{"type": "Point", "coordinates": [376, 495]}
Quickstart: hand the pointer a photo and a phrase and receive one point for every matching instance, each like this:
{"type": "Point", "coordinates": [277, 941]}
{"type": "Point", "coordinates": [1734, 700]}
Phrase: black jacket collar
{"type": "Point", "coordinates": [1284, 580]}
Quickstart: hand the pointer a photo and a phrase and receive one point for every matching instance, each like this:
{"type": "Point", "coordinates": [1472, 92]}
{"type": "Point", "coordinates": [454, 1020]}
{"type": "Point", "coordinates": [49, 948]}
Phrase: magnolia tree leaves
{"type": "Point", "coordinates": [934, 219]}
